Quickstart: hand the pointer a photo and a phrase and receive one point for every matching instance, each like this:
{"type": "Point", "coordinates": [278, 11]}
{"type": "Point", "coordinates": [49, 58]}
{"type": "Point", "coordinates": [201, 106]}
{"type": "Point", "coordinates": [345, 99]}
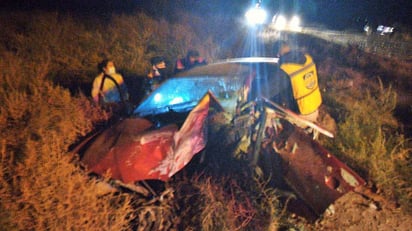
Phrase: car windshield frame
{"type": "Point", "coordinates": [180, 93]}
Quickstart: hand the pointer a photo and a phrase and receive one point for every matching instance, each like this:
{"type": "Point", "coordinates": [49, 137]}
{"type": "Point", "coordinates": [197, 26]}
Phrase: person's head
{"type": "Point", "coordinates": [107, 66]}
{"type": "Point", "coordinates": [280, 48]}
{"type": "Point", "coordinates": [158, 62]}
{"type": "Point", "coordinates": [192, 56]}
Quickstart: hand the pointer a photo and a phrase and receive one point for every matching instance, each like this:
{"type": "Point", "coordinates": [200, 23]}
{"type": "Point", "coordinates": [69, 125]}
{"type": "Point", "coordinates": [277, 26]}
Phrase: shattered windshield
{"type": "Point", "coordinates": [182, 92]}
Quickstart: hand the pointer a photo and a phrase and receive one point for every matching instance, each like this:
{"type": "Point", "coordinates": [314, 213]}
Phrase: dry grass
{"type": "Point", "coordinates": [73, 45]}
{"type": "Point", "coordinates": [370, 138]}
{"type": "Point", "coordinates": [227, 203]}
{"type": "Point", "coordinates": [157, 213]}
{"type": "Point", "coordinates": [42, 187]}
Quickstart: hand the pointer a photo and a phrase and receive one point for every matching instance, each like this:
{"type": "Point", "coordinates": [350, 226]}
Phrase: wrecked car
{"type": "Point", "coordinates": [169, 127]}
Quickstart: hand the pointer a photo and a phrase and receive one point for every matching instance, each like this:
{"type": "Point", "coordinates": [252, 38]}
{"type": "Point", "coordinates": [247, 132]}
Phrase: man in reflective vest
{"type": "Point", "coordinates": [303, 96]}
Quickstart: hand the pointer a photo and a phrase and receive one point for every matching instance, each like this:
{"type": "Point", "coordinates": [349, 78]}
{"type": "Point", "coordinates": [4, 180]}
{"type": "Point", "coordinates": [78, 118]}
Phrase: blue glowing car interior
{"type": "Point", "coordinates": [182, 92]}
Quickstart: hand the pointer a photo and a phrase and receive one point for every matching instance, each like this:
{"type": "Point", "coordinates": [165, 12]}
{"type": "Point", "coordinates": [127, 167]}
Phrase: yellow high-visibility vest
{"type": "Point", "coordinates": [304, 81]}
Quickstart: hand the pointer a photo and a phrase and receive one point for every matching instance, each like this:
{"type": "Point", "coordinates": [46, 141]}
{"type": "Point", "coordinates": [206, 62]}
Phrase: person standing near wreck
{"type": "Point", "coordinates": [301, 92]}
{"type": "Point", "coordinates": [191, 60]}
{"type": "Point", "coordinates": [156, 75]}
{"type": "Point", "coordinates": [109, 89]}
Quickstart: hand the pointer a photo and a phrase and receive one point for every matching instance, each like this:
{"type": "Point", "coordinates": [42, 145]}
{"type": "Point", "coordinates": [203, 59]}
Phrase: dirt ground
{"type": "Point", "coordinates": [354, 211]}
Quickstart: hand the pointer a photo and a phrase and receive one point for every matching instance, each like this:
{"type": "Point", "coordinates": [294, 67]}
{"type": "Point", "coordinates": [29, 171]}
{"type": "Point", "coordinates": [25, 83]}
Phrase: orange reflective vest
{"type": "Point", "coordinates": [304, 81]}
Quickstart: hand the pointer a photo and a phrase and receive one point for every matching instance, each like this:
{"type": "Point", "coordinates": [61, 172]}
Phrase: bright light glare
{"type": "Point", "coordinates": [256, 16]}
{"type": "Point", "coordinates": [177, 100]}
{"type": "Point", "coordinates": [280, 22]}
{"type": "Point", "coordinates": [157, 97]}
{"type": "Point", "coordinates": [294, 22]}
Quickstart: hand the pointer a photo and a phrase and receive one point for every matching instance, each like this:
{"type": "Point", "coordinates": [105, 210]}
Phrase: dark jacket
{"type": "Point", "coordinates": [185, 64]}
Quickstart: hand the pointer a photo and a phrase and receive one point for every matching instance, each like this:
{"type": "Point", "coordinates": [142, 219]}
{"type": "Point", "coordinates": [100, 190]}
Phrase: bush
{"type": "Point", "coordinates": [42, 187]}
{"type": "Point", "coordinates": [73, 45]}
{"type": "Point", "coordinates": [228, 203]}
{"type": "Point", "coordinates": [369, 140]}
{"type": "Point", "coordinates": [361, 91]}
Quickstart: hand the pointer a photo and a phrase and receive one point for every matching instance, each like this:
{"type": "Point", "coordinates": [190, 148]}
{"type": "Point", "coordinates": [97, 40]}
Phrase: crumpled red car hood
{"type": "Point", "coordinates": [132, 151]}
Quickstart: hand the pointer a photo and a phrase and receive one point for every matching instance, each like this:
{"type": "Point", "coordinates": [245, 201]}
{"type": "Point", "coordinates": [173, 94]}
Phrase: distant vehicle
{"type": "Point", "coordinates": [384, 30]}
{"type": "Point", "coordinates": [283, 23]}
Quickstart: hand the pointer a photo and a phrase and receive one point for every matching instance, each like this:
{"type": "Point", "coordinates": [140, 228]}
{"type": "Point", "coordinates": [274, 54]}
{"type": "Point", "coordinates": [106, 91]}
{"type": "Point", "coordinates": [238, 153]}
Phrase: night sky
{"type": "Point", "coordinates": [335, 14]}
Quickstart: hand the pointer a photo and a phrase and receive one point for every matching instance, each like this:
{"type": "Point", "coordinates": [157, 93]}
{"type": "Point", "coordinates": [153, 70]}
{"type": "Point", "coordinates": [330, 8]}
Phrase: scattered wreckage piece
{"type": "Point", "coordinates": [298, 121]}
{"type": "Point", "coordinates": [314, 174]}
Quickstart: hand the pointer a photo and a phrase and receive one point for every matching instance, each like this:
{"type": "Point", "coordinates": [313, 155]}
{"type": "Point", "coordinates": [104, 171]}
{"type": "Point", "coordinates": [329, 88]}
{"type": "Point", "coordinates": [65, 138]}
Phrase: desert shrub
{"type": "Point", "coordinates": [40, 120]}
{"type": "Point", "coordinates": [217, 208]}
{"type": "Point", "coordinates": [42, 186]}
{"type": "Point", "coordinates": [370, 141]}
{"type": "Point", "coordinates": [268, 206]}
{"type": "Point", "coordinates": [369, 137]}
{"type": "Point", "coordinates": [227, 203]}
{"type": "Point", "coordinates": [72, 45]}
{"type": "Point", "coordinates": [156, 213]}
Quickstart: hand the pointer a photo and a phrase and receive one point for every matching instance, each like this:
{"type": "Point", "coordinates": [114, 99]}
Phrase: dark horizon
{"type": "Point", "coordinates": [332, 13]}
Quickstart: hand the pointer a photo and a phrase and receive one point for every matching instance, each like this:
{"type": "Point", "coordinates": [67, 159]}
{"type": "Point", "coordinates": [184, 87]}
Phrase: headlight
{"type": "Point", "coordinates": [280, 22]}
{"type": "Point", "coordinates": [256, 16]}
{"type": "Point", "coordinates": [294, 22]}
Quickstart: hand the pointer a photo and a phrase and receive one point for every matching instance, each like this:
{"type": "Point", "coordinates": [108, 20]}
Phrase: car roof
{"type": "Point", "coordinates": [227, 66]}
{"type": "Point", "coordinates": [223, 78]}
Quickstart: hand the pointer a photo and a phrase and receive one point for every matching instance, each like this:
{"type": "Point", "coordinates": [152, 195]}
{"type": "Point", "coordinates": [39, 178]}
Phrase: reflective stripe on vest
{"type": "Point", "coordinates": [304, 81]}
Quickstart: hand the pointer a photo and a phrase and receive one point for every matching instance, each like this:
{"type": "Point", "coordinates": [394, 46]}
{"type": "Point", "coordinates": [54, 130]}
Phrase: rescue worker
{"type": "Point", "coordinates": [156, 75]}
{"type": "Point", "coordinates": [191, 60]}
{"type": "Point", "coordinates": [304, 95]}
{"type": "Point", "coordinates": [109, 89]}
{"type": "Point", "coordinates": [294, 84]}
